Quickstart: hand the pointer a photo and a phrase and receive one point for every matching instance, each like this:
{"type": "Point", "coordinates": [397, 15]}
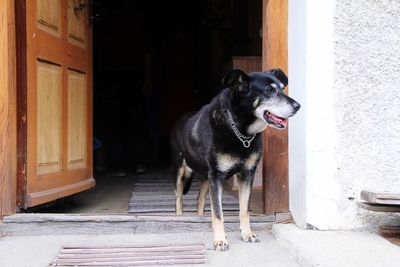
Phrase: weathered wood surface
{"type": "Point", "coordinates": [7, 109]}
{"type": "Point", "coordinates": [20, 24]}
{"type": "Point", "coordinates": [197, 245]}
{"type": "Point", "coordinates": [380, 198]}
{"type": "Point", "coordinates": [379, 207]}
{"type": "Point", "coordinates": [275, 54]}
{"type": "Point", "coordinates": [389, 231]}
{"type": "Point", "coordinates": [131, 255]}
{"type": "Point", "coordinates": [73, 255]}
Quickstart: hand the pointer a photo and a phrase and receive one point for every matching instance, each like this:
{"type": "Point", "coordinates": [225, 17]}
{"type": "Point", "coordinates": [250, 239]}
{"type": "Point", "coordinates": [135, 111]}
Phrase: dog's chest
{"type": "Point", "coordinates": [227, 162]}
{"type": "Point", "coordinates": [257, 126]}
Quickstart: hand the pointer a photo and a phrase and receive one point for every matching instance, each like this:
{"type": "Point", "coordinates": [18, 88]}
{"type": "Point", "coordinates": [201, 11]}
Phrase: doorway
{"type": "Point", "coordinates": [153, 61]}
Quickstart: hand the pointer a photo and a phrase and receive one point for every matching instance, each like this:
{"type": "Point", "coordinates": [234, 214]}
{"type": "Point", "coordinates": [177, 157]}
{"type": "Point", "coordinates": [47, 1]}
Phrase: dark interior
{"type": "Point", "coordinates": [155, 61]}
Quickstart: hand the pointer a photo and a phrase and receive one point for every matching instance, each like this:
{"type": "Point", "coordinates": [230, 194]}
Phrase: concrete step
{"type": "Point", "coordinates": [337, 248]}
{"type": "Point", "coordinates": [39, 251]}
{"type": "Point", "coordinates": [45, 224]}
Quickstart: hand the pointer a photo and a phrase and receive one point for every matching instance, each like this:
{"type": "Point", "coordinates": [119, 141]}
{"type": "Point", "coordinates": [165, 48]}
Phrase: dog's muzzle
{"type": "Point", "coordinates": [274, 120]}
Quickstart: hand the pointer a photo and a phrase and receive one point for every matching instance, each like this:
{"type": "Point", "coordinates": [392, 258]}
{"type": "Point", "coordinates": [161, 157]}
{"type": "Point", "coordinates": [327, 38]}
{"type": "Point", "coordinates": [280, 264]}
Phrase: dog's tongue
{"type": "Point", "coordinates": [278, 120]}
{"type": "Point", "coordinates": [284, 122]}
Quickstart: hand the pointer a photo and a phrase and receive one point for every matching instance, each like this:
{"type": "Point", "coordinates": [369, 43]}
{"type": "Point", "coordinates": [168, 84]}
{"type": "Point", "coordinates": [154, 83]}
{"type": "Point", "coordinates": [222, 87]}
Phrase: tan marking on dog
{"type": "Point", "coordinates": [251, 161]}
{"type": "Point", "coordinates": [188, 171]}
{"type": "Point", "coordinates": [244, 198]}
{"type": "Point", "coordinates": [220, 242]}
{"type": "Point", "coordinates": [256, 127]}
{"type": "Point", "coordinates": [225, 162]}
{"type": "Point", "coordinates": [201, 199]}
{"type": "Point", "coordinates": [183, 170]}
{"type": "Point", "coordinates": [179, 191]}
{"type": "Point", "coordinates": [244, 194]}
{"type": "Point", "coordinates": [273, 85]}
{"type": "Point", "coordinates": [255, 103]}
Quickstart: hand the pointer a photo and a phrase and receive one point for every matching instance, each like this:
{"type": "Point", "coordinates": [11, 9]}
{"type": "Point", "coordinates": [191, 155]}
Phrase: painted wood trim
{"type": "Point", "coordinates": [7, 109]}
{"type": "Point", "coordinates": [275, 54]}
{"type": "Point", "coordinates": [36, 198]}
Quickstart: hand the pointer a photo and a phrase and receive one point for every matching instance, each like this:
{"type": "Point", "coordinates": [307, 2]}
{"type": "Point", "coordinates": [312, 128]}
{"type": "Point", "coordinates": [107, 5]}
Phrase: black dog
{"type": "Point", "coordinates": [222, 140]}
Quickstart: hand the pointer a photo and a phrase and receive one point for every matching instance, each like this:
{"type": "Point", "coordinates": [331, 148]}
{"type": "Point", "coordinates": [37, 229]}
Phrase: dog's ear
{"type": "Point", "coordinates": [280, 75]}
{"type": "Point", "coordinates": [237, 80]}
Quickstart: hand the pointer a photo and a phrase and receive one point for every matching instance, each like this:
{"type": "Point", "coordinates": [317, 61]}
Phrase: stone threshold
{"type": "Point", "coordinates": [46, 223]}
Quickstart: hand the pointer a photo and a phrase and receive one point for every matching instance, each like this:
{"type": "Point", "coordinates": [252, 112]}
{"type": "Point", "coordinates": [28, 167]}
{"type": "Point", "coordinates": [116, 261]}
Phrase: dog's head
{"type": "Point", "coordinates": [261, 94]}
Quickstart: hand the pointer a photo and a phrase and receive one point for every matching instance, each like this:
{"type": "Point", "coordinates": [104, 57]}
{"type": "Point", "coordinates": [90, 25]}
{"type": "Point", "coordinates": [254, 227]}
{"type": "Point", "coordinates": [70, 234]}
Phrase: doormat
{"type": "Point", "coordinates": [155, 193]}
{"type": "Point", "coordinates": [131, 255]}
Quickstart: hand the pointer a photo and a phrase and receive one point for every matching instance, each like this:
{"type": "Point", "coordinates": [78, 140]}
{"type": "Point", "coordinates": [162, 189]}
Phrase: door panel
{"type": "Point", "coordinates": [59, 100]}
{"type": "Point", "coordinates": [49, 16]}
{"type": "Point", "coordinates": [49, 84]}
{"type": "Point", "coordinates": [77, 120]}
{"type": "Point", "coordinates": [76, 23]}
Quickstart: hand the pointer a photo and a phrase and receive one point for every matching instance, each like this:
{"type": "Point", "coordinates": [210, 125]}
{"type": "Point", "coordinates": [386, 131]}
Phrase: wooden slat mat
{"type": "Point", "coordinates": [131, 255]}
{"type": "Point", "coordinates": [155, 193]}
{"type": "Point", "coordinates": [380, 198]}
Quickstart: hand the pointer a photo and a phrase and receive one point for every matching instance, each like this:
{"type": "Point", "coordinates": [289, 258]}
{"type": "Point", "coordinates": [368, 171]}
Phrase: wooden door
{"type": "Point", "coordinates": [59, 100]}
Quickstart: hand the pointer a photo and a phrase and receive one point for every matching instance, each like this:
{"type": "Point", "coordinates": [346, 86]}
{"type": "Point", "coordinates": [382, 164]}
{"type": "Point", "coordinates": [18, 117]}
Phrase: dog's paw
{"type": "Point", "coordinates": [250, 237]}
{"type": "Point", "coordinates": [221, 245]}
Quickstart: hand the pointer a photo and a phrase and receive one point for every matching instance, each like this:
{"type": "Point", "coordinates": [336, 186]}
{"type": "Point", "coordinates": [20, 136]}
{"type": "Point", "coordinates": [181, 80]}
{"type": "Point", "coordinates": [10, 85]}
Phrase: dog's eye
{"type": "Point", "coordinates": [269, 89]}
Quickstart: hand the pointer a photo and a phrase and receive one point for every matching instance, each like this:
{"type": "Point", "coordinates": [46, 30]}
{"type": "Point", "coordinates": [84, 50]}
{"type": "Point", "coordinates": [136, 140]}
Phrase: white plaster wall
{"type": "Point", "coordinates": [344, 67]}
{"type": "Point", "coordinates": [297, 130]}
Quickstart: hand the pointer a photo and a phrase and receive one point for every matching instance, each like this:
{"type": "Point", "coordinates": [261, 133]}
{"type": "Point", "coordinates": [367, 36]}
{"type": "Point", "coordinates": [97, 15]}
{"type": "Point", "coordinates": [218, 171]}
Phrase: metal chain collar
{"type": "Point", "coordinates": [246, 140]}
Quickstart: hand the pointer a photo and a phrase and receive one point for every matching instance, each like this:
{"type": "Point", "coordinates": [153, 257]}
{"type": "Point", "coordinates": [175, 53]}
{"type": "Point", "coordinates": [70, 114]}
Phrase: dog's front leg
{"type": "Point", "coordinates": [220, 242]}
{"type": "Point", "coordinates": [201, 199]}
{"type": "Point", "coordinates": [245, 186]}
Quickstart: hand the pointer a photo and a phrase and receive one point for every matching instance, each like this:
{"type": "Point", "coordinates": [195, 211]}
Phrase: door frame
{"type": "Point", "coordinates": [8, 104]}
{"type": "Point", "coordinates": [22, 126]}
{"type": "Point", "coordinates": [12, 59]}
{"type": "Point", "coordinates": [275, 161]}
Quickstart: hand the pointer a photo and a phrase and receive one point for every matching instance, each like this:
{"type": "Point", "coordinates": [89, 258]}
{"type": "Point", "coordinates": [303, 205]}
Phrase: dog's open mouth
{"type": "Point", "coordinates": [275, 121]}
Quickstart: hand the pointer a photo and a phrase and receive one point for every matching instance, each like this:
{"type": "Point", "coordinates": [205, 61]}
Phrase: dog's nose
{"type": "Point", "coordinates": [296, 106]}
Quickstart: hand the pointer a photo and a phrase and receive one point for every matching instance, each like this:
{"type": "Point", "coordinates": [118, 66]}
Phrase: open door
{"type": "Point", "coordinates": [58, 101]}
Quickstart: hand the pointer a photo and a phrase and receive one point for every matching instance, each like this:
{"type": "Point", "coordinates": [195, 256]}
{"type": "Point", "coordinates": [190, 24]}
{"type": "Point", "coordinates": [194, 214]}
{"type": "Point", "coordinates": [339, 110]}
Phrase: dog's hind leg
{"type": "Point", "coordinates": [179, 190]}
{"type": "Point", "coordinates": [201, 199]}
{"type": "Point", "coordinates": [220, 242]}
{"type": "Point", "coordinates": [245, 186]}
{"type": "Point", "coordinates": [184, 174]}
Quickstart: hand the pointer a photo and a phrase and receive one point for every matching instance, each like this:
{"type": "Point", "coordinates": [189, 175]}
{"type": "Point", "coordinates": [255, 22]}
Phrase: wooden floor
{"type": "Point", "coordinates": [113, 194]}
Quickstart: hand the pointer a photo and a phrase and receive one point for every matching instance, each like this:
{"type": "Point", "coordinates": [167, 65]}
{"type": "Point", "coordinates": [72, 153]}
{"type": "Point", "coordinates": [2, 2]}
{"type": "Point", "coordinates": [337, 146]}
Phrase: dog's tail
{"type": "Point", "coordinates": [187, 185]}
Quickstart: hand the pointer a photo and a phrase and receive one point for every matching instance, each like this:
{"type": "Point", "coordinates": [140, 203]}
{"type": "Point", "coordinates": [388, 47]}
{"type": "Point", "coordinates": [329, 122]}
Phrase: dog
{"type": "Point", "coordinates": [223, 140]}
